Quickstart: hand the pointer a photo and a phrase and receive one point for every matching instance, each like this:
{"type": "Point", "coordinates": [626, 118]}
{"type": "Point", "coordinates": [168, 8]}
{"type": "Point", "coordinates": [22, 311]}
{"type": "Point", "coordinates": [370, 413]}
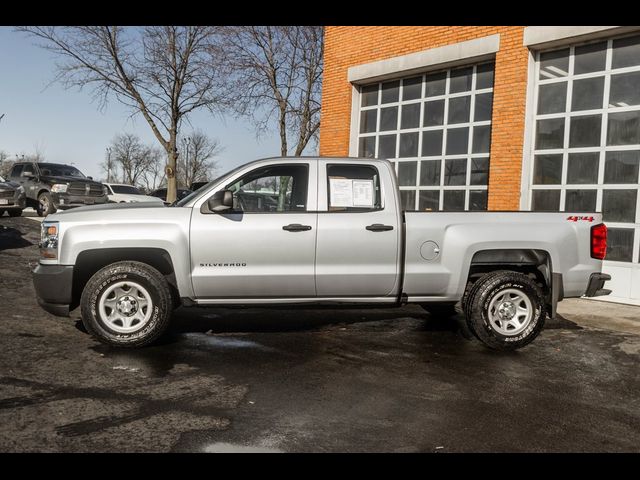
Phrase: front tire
{"type": "Point", "coordinates": [126, 304]}
{"type": "Point", "coordinates": [506, 310]}
{"type": "Point", "coordinates": [45, 205]}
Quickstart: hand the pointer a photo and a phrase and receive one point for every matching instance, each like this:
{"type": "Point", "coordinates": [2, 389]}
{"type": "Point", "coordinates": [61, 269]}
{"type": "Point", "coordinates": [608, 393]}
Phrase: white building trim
{"type": "Point", "coordinates": [552, 36]}
{"type": "Point", "coordinates": [440, 57]}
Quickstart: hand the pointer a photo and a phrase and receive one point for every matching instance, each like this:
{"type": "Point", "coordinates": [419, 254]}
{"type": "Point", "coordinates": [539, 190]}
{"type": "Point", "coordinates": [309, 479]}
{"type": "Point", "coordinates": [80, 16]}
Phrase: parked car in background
{"type": "Point", "coordinates": [12, 198]}
{"type": "Point", "coordinates": [162, 193]}
{"type": "Point", "coordinates": [54, 186]}
{"type": "Point", "coordinates": [197, 186]}
{"type": "Point", "coordinates": [122, 193]}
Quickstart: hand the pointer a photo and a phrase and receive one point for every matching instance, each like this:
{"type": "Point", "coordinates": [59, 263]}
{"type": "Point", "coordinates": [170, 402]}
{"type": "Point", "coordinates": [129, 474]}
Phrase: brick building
{"type": "Point", "coordinates": [497, 118]}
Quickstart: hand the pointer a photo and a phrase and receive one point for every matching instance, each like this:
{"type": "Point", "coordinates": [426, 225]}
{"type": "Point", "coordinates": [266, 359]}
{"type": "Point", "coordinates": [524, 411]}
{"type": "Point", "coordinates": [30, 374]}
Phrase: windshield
{"type": "Point", "coordinates": [57, 170]}
{"type": "Point", "coordinates": [191, 196]}
{"type": "Point", "coordinates": [127, 189]}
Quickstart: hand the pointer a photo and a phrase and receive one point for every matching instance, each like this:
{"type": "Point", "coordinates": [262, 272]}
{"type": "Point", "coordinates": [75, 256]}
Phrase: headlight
{"type": "Point", "coordinates": [20, 189]}
{"type": "Point", "coordinates": [49, 240]}
{"type": "Point", "coordinates": [59, 188]}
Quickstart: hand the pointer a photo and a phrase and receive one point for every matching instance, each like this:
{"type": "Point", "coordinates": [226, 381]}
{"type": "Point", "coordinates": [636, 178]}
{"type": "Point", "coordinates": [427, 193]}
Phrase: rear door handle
{"type": "Point", "coordinates": [378, 227]}
{"type": "Point", "coordinates": [296, 227]}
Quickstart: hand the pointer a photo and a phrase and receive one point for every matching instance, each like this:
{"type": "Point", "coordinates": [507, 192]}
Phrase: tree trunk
{"type": "Point", "coordinates": [172, 157]}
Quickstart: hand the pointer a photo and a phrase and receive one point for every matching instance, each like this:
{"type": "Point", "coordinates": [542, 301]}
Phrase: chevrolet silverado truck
{"type": "Point", "coordinates": [52, 186]}
{"type": "Point", "coordinates": [314, 231]}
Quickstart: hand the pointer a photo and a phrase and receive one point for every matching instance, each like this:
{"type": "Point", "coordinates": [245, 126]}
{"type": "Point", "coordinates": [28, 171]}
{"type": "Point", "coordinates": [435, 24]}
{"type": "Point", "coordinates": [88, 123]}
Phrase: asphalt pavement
{"type": "Point", "coordinates": [290, 380]}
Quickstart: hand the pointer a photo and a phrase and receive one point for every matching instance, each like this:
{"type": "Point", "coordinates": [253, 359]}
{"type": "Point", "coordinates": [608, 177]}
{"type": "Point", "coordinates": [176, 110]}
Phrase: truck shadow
{"type": "Point", "coordinates": [12, 238]}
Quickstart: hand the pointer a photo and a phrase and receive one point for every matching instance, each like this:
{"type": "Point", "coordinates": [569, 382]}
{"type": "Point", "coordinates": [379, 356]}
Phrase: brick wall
{"type": "Point", "coordinates": [349, 46]}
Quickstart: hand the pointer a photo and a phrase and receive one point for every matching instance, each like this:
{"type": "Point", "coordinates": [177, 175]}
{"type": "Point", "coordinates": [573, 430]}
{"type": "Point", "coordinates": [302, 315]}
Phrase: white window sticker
{"type": "Point", "coordinates": [341, 192]}
{"type": "Point", "coordinates": [363, 193]}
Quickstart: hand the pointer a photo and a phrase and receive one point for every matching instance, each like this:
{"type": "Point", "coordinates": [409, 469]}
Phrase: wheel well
{"type": "Point", "coordinates": [90, 261]}
{"type": "Point", "coordinates": [534, 263]}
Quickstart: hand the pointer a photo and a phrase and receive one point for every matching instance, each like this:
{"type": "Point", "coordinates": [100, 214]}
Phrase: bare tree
{"type": "Point", "coordinates": [5, 164]}
{"type": "Point", "coordinates": [154, 176]}
{"type": "Point", "coordinates": [129, 158]}
{"type": "Point", "coordinates": [275, 73]}
{"type": "Point", "coordinates": [163, 73]}
{"type": "Point", "coordinates": [195, 160]}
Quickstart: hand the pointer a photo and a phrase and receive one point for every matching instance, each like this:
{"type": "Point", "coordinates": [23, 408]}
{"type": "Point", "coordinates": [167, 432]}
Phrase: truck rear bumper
{"type": "Point", "coordinates": [596, 282]}
{"type": "Point", "coordinates": [53, 285]}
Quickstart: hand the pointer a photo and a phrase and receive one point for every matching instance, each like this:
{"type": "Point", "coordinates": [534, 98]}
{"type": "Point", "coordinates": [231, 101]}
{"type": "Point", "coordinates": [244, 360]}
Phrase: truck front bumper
{"type": "Point", "coordinates": [53, 284]}
{"type": "Point", "coordinates": [62, 201]}
{"type": "Point", "coordinates": [596, 282]}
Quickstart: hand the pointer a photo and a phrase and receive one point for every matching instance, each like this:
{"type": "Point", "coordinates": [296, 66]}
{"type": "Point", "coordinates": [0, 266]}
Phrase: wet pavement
{"type": "Point", "coordinates": [288, 380]}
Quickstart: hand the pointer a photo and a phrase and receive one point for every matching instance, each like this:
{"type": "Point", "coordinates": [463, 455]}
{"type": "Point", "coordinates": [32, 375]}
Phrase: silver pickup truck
{"type": "Point", "coordinates": [314, 231]}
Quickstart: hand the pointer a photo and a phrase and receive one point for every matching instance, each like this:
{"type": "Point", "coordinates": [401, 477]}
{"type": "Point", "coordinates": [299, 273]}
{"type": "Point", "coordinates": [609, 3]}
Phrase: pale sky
{"type": "Point", "coordinates": [69, 128]}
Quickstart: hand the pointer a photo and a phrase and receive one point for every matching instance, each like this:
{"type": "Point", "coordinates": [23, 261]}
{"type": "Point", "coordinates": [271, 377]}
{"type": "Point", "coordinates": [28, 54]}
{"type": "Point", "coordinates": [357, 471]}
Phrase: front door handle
{"type": "Point", "coordinates": [296, 227]}
{"type": "Point", "coordinates": [378, 227]}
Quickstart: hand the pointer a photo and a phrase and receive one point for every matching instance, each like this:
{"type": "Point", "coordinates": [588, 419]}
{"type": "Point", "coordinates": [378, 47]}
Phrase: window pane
{"type": "Point", "coordinates": [368, 120]}
{"type": "Point", "coordinates": [549, 133]}
{"type": "Point", "coordinates": [545, 200]}
{"type": "Point", "coordinates": [623, 128]}
{"type": "Point", "coordinates": [408, 198]}
{"type": "Point", "coordinates": [453, 200]}
{"type": "Point", "coordinates": [367, 147]}
{"type": "Point", "coordinates": [460, 80]}
{"type": "Point", "coordinates": [430, 173]}
{"type": "Point", "coordinates": [587, 94]}
{"type": "Point", "coordinates": [429, 200]}
{"type": "Point", "coordinates": [479, 171]}
{"type": "Point", "coordinates": [431, 143]}
{"type": "Point", "coordinates": [552, 98]}
{"type": "Point", "coordinates": [455, 172]}
{"type": "Point", "coordinates": [590, 58]}
{"type": "Point", "coordinates": [554, 64]}
{"type": "Point", "coordinates": [477, 200]}
{"type": "Point", "coordinates": [580, 201]}
{"type": "Point", "coordinates": [585, 131]}
{"type": "Point", "coordinates": [410, 116]}
{"type": "Point", "coordinates": [457, 141]}
{"type": "Point", "coordinates": [625, 90]}
{"type": "Point", "coordinates": [484, 76]}
{"type": "Point", "coordinates": [436, 84]}
{"type": "Point", "coordinates": [411, 88]}
{"type": "Point", "coordinates": [626, 52]}
{"type": "Point", "coordinates": [369, 95]}
{"type": "Point", "coordinates": [482, 109]}
{"type": "Point", "coordinates": [481, 139]}
{"type": "Point", "coordinates": [619, 205]}
{"type": "Point", "coordinates": [547, 170]}
{"type": "Point", "coordinates": [355, 172]}
{"type": "Point", "coordinates": [620, 244]}
{"type": "Point", "coordinates": [407, 174]}
{"type": "Point", "coordinates": [409, 145]}
{"type": "Point", "coordinates": [434, 113]}
{"type": "Point", "coordinates": [621, 167]}
{"type": "Point", "coordinates": [583, 168]}
{"type": "Point", "coordinates": [387, 146]}
{"type": "Point", "coordinates": [459, 109]}
{"type": "Point", "coordinates": [390, 91]}
{"type": "Point", "coordinates": [388, 118]}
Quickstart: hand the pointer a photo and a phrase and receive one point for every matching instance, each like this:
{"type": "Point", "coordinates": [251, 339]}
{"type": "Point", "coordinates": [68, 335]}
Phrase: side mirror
{"type": "Point", "coordinates": [221, 201]}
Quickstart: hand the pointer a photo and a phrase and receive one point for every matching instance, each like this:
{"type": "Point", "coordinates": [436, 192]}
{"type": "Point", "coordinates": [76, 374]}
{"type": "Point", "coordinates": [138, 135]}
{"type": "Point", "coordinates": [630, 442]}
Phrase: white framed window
{"type": "Point", "coordinates": [586, 137]}
{"type": "Point", "coordinates": [436, 128]}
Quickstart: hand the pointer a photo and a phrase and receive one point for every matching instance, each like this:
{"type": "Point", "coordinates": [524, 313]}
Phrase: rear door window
{"type": "Point", "coordinates": [353, 188]}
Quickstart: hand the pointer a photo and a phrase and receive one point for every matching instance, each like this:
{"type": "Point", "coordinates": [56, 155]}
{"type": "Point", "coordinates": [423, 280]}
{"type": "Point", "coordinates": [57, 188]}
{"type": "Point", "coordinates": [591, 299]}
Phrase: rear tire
{"type": "Point", "coordinates": [126, 304]}
{"type": "Point", "coordinates": [505, 310]}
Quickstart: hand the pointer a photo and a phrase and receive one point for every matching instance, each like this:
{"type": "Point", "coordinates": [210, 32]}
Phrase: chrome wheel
{"type": "Point", "coordinates": [125, 307]}
{"type": "Point", "coordinates": [44, 205]}
{"type": "Point", "coordinates": [510, 312]}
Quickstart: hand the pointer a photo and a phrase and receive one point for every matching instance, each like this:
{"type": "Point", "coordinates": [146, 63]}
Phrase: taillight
{"type": "Point", "coordinates": [599, 241]}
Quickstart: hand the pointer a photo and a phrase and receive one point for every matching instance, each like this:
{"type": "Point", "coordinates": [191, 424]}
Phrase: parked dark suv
{"type": "Point", "coordinates": [52, 186]}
